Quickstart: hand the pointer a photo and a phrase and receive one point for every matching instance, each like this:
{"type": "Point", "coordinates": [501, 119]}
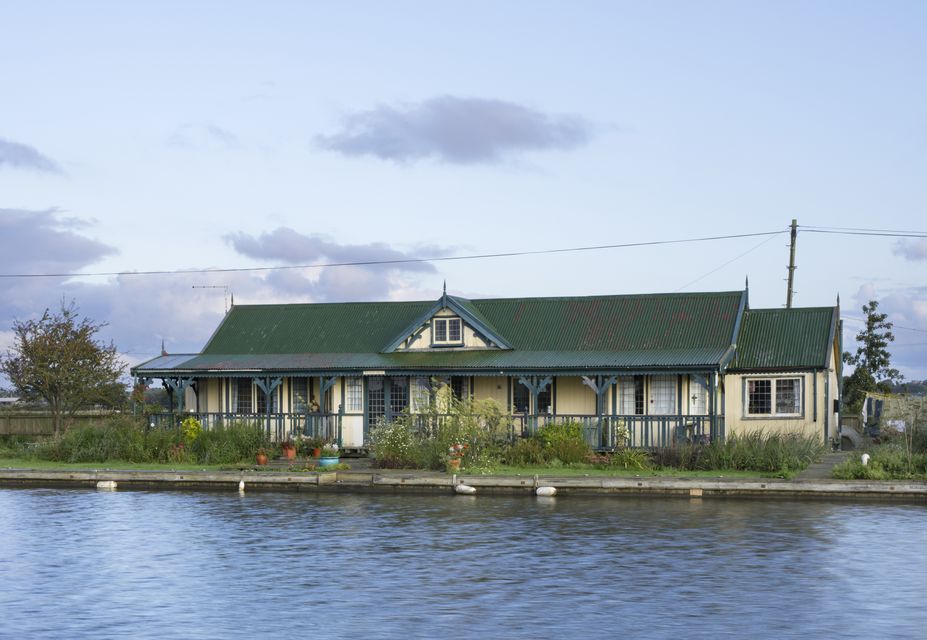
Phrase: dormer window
{"type": "Point", "coordinates": [447, 331]}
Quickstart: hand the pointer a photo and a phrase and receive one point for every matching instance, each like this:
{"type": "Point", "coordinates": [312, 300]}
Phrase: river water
{"type": "Point", "coordinates": [133, 564]}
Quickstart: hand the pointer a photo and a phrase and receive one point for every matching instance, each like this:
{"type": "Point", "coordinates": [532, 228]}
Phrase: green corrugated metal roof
{"type": "Point", "coordinates": [593, 323]}
{"type": "Point", "coordinates": [607, 332]}
{"type": "Point", "coordinates": [784, 338]}
{"type": "Point", "coordinates": [351, 327]}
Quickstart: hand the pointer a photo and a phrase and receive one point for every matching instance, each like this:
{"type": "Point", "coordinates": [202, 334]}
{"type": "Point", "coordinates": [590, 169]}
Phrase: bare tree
{"type": "Point", "coordinates": [57, 359]}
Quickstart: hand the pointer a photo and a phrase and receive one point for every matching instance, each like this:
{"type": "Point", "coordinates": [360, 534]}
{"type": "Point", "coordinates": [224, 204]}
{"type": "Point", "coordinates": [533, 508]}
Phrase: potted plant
{"type": "Point", "coordinates": [289, 450]}
{"type": "Point", "coordinates": [329, 455]}
{"type": "Point", "coordinates": [261, 457]}
{"type": "Point", "coordinates": [311, 446]}
{"type": "Point", "coordinates": [455, 454]}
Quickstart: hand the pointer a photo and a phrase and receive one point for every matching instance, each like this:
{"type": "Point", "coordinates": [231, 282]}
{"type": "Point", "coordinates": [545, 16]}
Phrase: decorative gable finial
{"type": "Point", "coordinates": [838, 300]}
{"type": "Point", "coordinates": [163, 350]}
{"type": "Point", "coordinates": [747, 283]}
{"type": "Point", "coordinates": [444, 295]}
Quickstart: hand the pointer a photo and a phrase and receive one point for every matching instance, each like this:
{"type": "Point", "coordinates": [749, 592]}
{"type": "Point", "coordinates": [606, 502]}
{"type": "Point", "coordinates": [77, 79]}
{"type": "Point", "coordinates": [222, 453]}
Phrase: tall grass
{"type": "Point", "coordinates": [755, 451]}
{"type": "Point", "coordinates": [122, 438]}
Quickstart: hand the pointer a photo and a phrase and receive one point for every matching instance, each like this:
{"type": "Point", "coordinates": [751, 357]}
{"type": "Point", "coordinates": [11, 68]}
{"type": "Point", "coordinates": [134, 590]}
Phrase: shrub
{"type": "Point", "coordinates": [564, 442]}
{"type": "Point", "coordinates": [394, 445]}
{"type": "Point", "coordinates": [628, 459]}
{"type": "Point", "coordinates": [121, 438]}
{"type": "Point", "coordinates": [525, 452]}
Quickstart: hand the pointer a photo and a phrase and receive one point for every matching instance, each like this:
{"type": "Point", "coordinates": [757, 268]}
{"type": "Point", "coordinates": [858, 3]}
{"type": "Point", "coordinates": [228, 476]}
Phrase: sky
{"type": "Point", "coordinates": [174, 136]}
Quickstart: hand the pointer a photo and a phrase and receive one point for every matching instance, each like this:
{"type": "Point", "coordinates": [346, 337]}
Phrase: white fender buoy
{"type": "Point", "coordinates": [547, 492]}
{"type": "Point", "coordinates": [465, 489]}
{"type": "Point", "coordinates": [106, 485]}
{"type": "Point", "coordinates": [865, 459]}
{"type": "Point", "coordinates": [241, 486]}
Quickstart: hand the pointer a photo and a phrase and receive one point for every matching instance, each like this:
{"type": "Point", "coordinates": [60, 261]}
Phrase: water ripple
{"type": "Point", "coordinates": [82, 564]}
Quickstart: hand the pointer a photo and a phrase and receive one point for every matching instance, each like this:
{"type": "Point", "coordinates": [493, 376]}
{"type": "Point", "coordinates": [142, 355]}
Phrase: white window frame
{"type": "Point", "coordinates": [773, 397]}
{"type": "Point", "coordinates": [445, 329]}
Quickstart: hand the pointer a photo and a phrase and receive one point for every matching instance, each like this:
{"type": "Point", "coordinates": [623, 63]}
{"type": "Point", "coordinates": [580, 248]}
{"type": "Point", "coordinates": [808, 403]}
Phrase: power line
{"type": "Point", "coordinates": [888, 234]}
{"type": "Point", "coordinates": [360, 263]}
{"type": "Point", "coordinates": [814, 228]}
{"type": "Point", "coordinates": [894, 326]}
{"type": "Point", "coordinates": [734, 259]}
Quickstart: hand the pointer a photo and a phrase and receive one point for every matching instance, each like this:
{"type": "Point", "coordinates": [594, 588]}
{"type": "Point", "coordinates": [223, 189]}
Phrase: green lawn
{"type": "Point", "coordinates": [578, 471]}
{"type": "Point", "coordinates": [622, 473]}
{"type": "Point", "coordinates": [110, 465]}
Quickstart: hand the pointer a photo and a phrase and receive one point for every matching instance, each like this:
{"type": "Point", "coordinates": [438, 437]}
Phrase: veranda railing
{"type": "Point", "coordinates": [280, 426]}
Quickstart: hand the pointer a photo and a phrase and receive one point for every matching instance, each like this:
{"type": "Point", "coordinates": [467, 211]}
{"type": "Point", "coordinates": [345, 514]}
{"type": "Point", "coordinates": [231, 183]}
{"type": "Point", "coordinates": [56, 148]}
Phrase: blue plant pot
{"type": "Point", "coordinates": [328, 461]}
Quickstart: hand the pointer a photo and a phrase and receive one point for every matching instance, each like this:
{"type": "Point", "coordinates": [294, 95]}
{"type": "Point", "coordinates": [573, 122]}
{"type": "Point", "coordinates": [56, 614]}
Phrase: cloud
{"type": "Point", "coordinates": [202, 135]}
{"type": "Point", "coordinates": [290, 246]}
{"type": "Point", "coordinates": [354, 282]}
{"type": "Point", "coordinates": [22, 156]}
{"type": "Point", "coordinates": [911, 250]}
{"type": "Point", "coordinates": [140, 311]}
{"type": "Point", "coordinates": [907, 310]}
{"type": "Point", "coordinates": [43, 242]}
{"type": "Point", "coordinates": [455, 130]}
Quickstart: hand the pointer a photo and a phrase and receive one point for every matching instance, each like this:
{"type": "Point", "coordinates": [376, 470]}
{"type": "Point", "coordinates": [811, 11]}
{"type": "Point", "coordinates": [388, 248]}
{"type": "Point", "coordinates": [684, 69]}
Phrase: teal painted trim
{"type": "Point", "coordinates": [366, 412]}
{"type": "Point", "coordinates": [414, 326]}
{"type": "Point", "coordinates": [732, 350]}
{"type": "Point", "coordinates": [814, 400]}
{"type": "Point", "coordinates": [448, 302]}
{"type": "Point", "coordinates": [834, 321]}
{"type": "Point", "coordinates": [679, 394]}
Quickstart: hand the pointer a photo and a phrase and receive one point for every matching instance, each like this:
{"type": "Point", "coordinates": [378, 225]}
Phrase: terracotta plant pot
{"type": "Point", "coordinates": [289, 451]}
{"type": "Point", "coordinates": [262, 459]}
{"type": "Point", "coordinates": [316, 452]}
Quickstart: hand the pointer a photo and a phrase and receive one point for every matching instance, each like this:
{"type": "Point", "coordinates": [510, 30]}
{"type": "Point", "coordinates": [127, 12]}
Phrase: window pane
{"type": "Point", "coordinates": [663, 395]}
{"type": "Point", "coordinates": [788, 396]}
{"type": "Point", "coordinates": [376, 406]}
{"type": "Point", "coordinates": [698, 395]}
{"type": "Point", "coordinates": [300, 394]}
{"type": "Point", "coordinates": [544, 400]}
{"type": "Point", "coordinates": [354, 394]}
{"type": "Point", "coordinates": [453, 330]}
{"type": "Point", "coordinates": [460, 386]}
{"type": "Point", "coordinates": [520, 397]}
{"type": "Point", "coordinates": [244, 396]}
{"type": "Point", "coordinates": [440, 330]}
{"type": "Point", "coordinates": [398, 395]}
{"type": "Point", "coordinates": [631, 389]}
{"type": "Point", "coordinates": [759, 397]}
{"type": "Point", "coordinates": [421, 394]}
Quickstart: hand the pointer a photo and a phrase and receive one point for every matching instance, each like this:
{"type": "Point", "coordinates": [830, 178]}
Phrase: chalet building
{"type": "Point", "coordinates": [664, 366]}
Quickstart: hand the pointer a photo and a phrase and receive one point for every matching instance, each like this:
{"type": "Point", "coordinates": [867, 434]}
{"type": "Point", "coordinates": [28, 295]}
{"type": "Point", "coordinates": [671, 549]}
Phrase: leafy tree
{"type": "Point", "coordinates": [58, 359]}
{"type": "Point", "coordinates": [872, 359]}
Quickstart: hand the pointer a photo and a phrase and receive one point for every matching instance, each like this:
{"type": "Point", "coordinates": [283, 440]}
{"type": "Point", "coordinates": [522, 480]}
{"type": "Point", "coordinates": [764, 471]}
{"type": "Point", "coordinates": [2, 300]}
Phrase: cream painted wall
{"type": "Point", "coordinates": [491, 387]}
{"type": "Point", "coordinates": [470, 338]}
{"type": "Point", "coordinates": [573, 397]}
{"type": "Point", "coordinates": [808, 424]}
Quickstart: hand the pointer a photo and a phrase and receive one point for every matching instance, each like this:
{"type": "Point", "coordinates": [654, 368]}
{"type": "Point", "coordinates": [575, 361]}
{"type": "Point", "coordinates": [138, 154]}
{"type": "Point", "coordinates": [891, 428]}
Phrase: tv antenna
{"type": "Point", "coordinates": [217, 286]}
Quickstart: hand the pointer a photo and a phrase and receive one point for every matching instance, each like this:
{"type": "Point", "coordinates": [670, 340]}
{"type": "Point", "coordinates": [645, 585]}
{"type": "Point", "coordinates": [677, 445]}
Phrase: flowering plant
{"type": "Point", "coordinates": [192, 428]}
{"type": "Point", "coordinates": [457, 450]}
{"type": "Point", "coordinates": [330, 451]}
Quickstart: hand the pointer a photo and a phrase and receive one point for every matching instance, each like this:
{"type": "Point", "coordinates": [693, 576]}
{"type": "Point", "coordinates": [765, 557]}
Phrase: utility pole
{"type": "Point", "coordinates": [788, 297]}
